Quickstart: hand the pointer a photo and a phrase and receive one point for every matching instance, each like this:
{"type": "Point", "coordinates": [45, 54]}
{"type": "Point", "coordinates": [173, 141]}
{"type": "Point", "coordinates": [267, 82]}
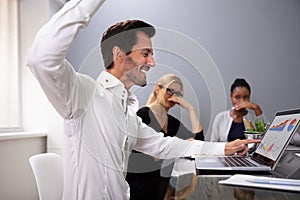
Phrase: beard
{"type": "Point", "coordinates": [135, 76]}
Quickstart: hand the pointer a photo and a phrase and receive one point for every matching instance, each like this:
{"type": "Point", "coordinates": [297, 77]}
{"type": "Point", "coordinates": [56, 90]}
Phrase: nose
{"type": "Point", "coordinates": [244, 99]}
{"type": "Point", "coordinates": [151, 61]}
{"type": "Point", "coordinates": [241, 100]}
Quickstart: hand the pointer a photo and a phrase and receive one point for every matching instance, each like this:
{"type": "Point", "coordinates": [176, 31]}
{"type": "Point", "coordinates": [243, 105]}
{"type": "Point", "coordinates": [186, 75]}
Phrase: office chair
{"type": "Point", "coordinates": [48, 173]}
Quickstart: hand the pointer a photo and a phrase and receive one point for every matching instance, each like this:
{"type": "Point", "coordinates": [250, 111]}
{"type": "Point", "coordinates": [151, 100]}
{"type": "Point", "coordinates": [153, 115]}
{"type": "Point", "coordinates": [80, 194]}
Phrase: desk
{"type": "Point", "coordinates": [184, 183]}
{"type": "Point", "coordinates": [190, 186]}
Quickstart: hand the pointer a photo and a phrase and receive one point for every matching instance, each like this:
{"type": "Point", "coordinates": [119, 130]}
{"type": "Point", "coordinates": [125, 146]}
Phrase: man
{"type": "Point", "coordinates": [100, 129]}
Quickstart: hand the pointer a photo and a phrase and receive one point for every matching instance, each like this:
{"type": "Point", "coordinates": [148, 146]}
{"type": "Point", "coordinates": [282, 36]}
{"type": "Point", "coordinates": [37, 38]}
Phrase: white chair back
{"type": "Point", "coordinates": [48, 172]}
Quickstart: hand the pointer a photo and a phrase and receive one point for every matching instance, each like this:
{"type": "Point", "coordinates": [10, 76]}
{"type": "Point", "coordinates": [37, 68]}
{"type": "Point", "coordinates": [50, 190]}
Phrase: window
{"type": "Point", "coordinates": [9, 66]}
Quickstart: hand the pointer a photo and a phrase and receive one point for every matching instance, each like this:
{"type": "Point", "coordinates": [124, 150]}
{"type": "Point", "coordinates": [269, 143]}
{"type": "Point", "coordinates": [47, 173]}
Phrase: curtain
{"type": "Point", "coordinates": [9, 64]}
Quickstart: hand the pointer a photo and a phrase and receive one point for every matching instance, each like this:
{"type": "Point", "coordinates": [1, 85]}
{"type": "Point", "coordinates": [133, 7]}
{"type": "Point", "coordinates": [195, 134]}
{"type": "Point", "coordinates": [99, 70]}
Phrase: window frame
{"type": "Point", "coordinates": [17, 124]}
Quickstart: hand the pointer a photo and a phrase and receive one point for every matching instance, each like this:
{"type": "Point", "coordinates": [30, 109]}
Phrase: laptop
{"type": "Point", "coordinates": [267, 154]}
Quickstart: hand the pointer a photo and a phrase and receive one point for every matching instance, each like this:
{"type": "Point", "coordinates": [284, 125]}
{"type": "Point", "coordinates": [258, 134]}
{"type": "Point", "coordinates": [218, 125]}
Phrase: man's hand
{"type": "Point", "coordinates": [238, 146]}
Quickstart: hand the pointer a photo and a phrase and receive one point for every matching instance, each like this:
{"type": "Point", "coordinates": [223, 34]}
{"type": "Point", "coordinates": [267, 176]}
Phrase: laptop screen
{"type": "Point", "coordinates": [277, 137]}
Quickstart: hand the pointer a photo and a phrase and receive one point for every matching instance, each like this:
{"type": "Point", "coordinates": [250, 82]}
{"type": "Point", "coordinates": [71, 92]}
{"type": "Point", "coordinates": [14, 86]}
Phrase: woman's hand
{"type": "Point", "coordinates": [182, 102]}
{"type": "Point", "coordinates": [196, 126]}
{"type": "Point", "coordinates": [248, 105]}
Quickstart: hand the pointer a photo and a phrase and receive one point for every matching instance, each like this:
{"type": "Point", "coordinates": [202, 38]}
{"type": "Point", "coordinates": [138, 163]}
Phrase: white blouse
{"type": "Point", "coordinates": [222, 124]}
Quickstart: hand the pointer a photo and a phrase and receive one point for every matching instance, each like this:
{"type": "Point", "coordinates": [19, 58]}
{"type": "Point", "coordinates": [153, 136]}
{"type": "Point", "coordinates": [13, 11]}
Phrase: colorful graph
{"type": "Point", "coordinates": [280, 126]}
{"type": "Point", "coordinates": [267, 148]}
{"type": "Point", "coordinates": [292, 124]}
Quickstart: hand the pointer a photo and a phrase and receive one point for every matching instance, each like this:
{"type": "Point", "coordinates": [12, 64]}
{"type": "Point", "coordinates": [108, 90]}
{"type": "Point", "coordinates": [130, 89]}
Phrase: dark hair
{"type": "Point", "coordinates": [240, 82]}
{"type": "Point", "coordinates": [122, 35]}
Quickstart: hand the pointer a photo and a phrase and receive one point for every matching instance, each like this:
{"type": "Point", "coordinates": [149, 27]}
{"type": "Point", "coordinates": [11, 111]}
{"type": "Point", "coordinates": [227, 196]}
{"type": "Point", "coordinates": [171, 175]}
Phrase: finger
{"type": "Point", "coordinates": [242, 153]}
{"type": "Point", "coordinates": [248, 141]}
{"type": "Point", "coordinates": [177, 98]}
{"type": "Point", "coordinates": [240, 148]}
{"type": "Point", "coordinates": [235, 107]}
{"type": "Point", "coordinates": [174, 99]}
{"type": "Point", "coordinates": [242, 105]}
{"type": "Point", "coordinates": [234, 149]}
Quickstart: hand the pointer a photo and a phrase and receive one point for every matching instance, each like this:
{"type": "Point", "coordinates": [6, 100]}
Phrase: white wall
{"type": "Point", "coordinates": [17, 180]}
{"type": "Point", "coordinates": [38, 113]}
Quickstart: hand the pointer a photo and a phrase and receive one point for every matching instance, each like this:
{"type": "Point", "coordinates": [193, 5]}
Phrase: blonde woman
{"type": "Point", "coordinates": [167, 93]}
{"type": "Point", "coordinates": [144, 175]}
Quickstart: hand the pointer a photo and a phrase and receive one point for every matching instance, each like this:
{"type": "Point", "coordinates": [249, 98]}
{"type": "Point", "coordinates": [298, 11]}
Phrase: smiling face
{"type": "Point", "coordinates": [132, 68]}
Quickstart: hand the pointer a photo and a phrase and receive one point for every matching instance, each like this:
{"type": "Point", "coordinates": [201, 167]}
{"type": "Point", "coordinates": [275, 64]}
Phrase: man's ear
{"type": "Point", "coordinates": [117, 53]}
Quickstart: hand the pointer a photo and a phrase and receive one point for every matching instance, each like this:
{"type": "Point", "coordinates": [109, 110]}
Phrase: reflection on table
{"type": "Point", "coordinates": [185, 184]}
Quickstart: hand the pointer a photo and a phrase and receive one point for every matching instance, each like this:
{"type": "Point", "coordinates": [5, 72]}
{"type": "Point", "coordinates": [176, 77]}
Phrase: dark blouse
{"type": "Point", "coordinates": [236, 131]}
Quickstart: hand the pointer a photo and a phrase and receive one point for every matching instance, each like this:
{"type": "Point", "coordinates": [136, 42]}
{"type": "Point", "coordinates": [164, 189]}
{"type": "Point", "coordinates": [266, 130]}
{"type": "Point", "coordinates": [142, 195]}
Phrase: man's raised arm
{"type": "Point", "coordinates": [46, 57]}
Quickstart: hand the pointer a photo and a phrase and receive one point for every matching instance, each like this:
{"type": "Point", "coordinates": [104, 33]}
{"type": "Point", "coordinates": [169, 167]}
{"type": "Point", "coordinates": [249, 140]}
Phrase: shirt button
{"type": "Point", "coordinates": [106, 80]}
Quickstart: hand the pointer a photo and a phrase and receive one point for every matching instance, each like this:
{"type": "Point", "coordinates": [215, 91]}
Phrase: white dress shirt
{"type": "Point", "coordinates": [100, 128]}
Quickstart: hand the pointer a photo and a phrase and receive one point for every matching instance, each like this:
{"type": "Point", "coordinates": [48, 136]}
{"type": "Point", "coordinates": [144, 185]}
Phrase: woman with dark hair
{"type": "Point", "coordinates": [229, 125]}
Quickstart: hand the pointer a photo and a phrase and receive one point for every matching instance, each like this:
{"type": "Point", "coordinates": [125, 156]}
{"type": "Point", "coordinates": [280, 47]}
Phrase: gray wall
{"type": "Point", "coordinates": [17, 180]}
{"type": "Point", "coordinates": [210, 43]}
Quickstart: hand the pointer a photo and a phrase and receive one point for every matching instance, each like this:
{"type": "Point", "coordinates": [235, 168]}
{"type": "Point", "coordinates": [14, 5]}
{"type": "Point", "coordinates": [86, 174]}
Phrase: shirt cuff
{"type": "Point", "coordinates": [201, 148]}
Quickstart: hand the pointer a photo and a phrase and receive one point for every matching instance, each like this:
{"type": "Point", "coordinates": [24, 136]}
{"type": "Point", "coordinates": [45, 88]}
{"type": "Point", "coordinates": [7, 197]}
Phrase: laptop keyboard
{"type": "Point", "coordinates": [236, 162]}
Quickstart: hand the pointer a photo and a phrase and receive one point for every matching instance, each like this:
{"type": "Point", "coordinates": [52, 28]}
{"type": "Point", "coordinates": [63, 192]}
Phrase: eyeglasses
{"type": "Point", "coordinates": [171, 91]}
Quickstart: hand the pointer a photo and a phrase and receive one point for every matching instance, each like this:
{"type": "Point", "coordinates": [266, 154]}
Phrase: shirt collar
{"type": "Point", "coordinates": [107, 80]}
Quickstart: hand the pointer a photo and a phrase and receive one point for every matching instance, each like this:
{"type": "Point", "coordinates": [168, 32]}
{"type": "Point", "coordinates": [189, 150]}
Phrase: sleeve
{"type": "Point", "coordinates": [143, 113]}
{"type": "Point", "coordinates": [199, 136]}
{"type": "Point", "coordinates": [215, 132]}
{"type": "Point", "coordinates": [148, 118]}
{"type": "Point", "coordinates": [155, 144]}
{"type": "Point", "coordinates": [182, 131]}
{"type": "Point", "coordinates": [46, 57]}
